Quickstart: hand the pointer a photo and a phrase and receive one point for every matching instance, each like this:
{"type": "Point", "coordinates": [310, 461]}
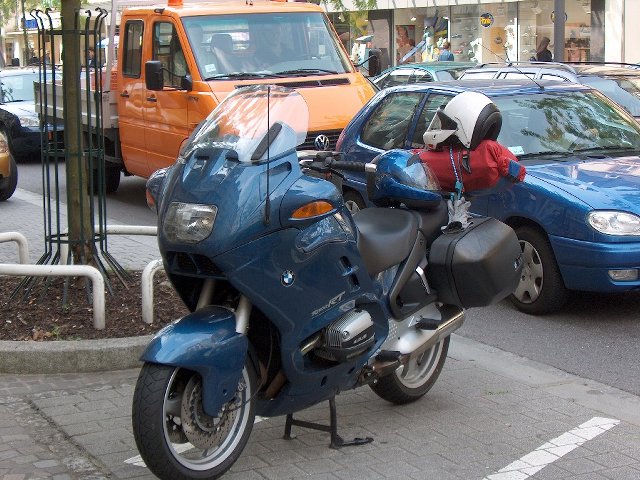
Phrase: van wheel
{"type": "Point", "coordinates": [111, 179]}
{"type": "Point", "coordinates": [353, 201]}
{"type": "Point", "coordinates": [541, 289]}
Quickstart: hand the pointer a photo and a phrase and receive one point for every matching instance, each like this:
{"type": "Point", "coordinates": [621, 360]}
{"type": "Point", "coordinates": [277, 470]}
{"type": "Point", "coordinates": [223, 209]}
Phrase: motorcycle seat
{"type": "Point", "coordinates": [385, 236]}
{"type": "Point", "coordinates": [430, 222]}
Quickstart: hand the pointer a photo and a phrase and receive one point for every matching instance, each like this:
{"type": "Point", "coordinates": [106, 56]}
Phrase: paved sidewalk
{"type": "Point", "coordinates": [491, 415]}
{"type": "Point", "coordinates": [23, 213]}
{"type": "Point", "coordinates": [490, 410]}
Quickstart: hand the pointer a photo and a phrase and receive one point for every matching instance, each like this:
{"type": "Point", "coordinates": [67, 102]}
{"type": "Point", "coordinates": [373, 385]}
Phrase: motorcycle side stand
{"type": "Point", "coordinates": [336, 440]}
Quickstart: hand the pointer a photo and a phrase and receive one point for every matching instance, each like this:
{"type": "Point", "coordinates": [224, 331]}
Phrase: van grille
{"type": "Point", "coordinates": [311, 136]}
{"type": "Point", "coordinates": [328, 82]}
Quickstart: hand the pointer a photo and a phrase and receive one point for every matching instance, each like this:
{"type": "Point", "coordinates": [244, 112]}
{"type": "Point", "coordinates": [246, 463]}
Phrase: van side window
{"type": "Point", "coordinates": [167, 49]}
{"type": "Point", "coordinates": [132, 48]}
{"type": "Point", "coordinates": [388, 125]}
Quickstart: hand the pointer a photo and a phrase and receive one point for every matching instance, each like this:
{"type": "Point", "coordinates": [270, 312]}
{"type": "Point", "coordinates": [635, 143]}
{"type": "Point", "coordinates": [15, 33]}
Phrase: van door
{"type": "Point", "coordinates": [166, 123]}
{"type": "Point", "coordinates": [131, 100]}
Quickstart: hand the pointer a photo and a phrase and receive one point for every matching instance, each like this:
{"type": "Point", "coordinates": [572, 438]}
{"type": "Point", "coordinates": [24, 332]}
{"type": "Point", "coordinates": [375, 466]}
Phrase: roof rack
{"type": "Point", "coordinates": [529, 63]}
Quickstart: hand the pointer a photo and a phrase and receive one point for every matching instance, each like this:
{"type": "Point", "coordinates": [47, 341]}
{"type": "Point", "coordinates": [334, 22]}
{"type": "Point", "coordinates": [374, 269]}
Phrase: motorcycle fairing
{"type": "Point", "coordinates": [204, 341]}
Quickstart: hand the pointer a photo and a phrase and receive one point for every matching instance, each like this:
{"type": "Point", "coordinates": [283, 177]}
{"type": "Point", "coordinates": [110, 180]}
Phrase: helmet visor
{"type": "Point", "coordinates": [441, 127]}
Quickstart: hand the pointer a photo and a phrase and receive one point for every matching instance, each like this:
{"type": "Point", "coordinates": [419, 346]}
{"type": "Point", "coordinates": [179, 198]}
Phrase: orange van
{"type": "Point", "coordinates": [205, 51]}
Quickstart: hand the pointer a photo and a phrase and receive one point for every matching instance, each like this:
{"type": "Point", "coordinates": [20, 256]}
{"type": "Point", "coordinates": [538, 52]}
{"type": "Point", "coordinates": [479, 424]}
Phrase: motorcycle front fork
{"type": "Point", "coordinates": [242, 310]}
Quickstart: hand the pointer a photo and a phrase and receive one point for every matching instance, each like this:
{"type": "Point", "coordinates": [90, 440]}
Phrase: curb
{"type": "Point", "coordinates": [68, 356]}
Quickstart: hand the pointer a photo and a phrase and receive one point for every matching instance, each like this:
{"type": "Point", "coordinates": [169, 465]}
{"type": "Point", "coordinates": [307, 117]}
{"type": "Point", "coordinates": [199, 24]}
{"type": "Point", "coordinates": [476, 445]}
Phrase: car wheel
{"type": "Point", "coordinates": [541, 289]}
{"type": "Point", "coordinates": [111, 179]}
{"type": "Point", "coordinates": [353, 201]}
{"type": "Point", "coordinates": [8, 185]}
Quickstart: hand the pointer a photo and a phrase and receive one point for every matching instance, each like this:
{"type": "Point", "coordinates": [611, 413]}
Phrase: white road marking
{"type": "Point", "coordinates": [183, 447]}
{"type": "Point", "coordinates": [554, 449]}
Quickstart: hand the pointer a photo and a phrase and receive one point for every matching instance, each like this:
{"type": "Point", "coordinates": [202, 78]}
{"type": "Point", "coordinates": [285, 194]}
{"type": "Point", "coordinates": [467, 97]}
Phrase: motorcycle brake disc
{"type": "Point", "coordinates": [203, 431]}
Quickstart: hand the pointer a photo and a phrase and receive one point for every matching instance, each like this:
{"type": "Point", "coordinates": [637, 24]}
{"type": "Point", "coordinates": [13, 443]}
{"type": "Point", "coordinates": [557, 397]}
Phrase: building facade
{"type": "Point", "coordinates": [489, 31]}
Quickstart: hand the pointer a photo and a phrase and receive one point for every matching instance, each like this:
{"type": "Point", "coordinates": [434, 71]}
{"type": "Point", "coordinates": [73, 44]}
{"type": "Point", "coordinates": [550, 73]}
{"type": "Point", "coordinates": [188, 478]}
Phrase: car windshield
{"type": "Point", "coordinates": [283, 44]}
{"type": "Point", "coordinates": [564, 122]}
{"type": "Point", "coordinates": [624, 90]}
{"type": "Point", "coordinates": [17, 88]}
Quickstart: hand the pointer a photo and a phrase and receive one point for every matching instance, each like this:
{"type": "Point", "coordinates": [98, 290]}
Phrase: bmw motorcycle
{"type": "Point", "coordinates": [292, 298]}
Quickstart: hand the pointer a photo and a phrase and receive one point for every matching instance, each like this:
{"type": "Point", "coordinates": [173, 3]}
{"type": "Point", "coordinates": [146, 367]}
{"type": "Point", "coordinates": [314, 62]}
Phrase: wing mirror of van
{"type": "Point", "coordinates": [373, 60]}
{"type": "Point", "coordinates": [153, 75]}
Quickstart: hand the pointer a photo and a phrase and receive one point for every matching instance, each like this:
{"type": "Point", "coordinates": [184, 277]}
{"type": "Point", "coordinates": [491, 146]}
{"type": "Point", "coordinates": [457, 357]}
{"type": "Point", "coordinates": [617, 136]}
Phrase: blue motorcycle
{"type": "Point", "coordinates": [292, 298]}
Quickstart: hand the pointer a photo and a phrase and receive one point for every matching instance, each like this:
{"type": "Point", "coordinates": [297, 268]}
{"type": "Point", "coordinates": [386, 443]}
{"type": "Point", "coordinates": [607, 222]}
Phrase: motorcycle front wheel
{"type": "Point", "coordinates": [175, 437]}
{"type": "Point", "coordinates": [414, 379]}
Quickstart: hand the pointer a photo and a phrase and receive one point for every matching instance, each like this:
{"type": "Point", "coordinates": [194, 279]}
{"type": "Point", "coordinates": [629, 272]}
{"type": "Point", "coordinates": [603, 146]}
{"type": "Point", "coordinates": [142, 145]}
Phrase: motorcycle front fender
{"type": "Point", "coordinates": [206, 342]}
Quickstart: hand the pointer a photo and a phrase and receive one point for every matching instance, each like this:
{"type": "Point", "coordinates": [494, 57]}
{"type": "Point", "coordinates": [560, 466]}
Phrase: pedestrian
{"type": "Point", "coordinates": [445, 54]}
{"type": "Point", "coordinates": [543, 54]}
{"type": "Point", "coordinates": [91, 61]}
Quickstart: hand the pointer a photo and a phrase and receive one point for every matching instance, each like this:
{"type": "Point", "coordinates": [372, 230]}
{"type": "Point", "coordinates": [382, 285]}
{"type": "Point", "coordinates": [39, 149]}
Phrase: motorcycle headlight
{"type": "Point", "coordinates": [29, 121]}
{"type": "Point", "coordinates": [189, 222]}
{"type": "Point", "coordinates": [614, 223]}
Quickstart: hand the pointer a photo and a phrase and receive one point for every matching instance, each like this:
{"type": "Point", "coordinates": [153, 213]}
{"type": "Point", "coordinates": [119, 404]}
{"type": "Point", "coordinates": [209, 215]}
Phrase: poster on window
{"type": "Point", "coordinates": [405, 42]}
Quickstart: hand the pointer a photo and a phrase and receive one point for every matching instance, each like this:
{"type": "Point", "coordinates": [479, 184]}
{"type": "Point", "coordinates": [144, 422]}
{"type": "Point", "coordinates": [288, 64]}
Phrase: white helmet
{"type": "Point", "coordinates": [471, 116]}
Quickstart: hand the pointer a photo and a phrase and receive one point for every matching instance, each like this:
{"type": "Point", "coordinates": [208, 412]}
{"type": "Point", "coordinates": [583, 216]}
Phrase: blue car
{"type": "Point", "coordinates": [577, 214]}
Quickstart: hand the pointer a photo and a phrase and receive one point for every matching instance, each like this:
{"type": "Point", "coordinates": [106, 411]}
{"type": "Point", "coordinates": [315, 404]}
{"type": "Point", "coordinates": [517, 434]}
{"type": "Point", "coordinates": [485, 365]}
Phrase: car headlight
{"type": "Point", "coordinates": [29, 121]}
{"type": "Point", "coordinates": [614, 223]}
{"type": "Point", "coordinates": [189, 222]}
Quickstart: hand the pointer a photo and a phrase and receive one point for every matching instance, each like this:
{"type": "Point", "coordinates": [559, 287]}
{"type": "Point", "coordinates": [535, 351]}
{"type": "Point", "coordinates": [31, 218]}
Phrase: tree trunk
{"type": "Point", "coordinates": [78, 210]}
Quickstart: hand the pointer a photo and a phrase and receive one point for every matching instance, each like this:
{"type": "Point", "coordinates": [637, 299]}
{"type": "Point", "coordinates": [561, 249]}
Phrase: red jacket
{"type": "Point", "coordinates": [486, 165]}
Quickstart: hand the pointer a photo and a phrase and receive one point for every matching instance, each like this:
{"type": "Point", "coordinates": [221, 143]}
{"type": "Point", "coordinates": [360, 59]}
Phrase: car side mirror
{"type": "Point", "coordinates": [153, 75]}
{"type": "Point", "coordinates": [186, 83]}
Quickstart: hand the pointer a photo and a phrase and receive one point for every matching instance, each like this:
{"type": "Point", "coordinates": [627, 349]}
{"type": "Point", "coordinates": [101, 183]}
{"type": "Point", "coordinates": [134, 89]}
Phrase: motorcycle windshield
{"type": "Point", "coordinates": [258, 123]}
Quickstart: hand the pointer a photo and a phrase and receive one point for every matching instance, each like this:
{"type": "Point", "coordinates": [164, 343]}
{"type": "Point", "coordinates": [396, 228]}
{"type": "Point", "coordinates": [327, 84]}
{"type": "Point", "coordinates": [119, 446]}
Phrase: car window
{"type": "Point", "coordinates": [168, 50]}
{"type": "Point", "coordinates": [479, 74]}
{"type": "Point", "coordinates": [17, 88]}
{"type": "Point", "coordinates": [388, 125]}
{"type": "Point", "coordinates": [395, 77]}
{"type": "Point", "coordinates": [421, 76]}
{"type": "Point", "coordinates": [434, 101]}
{"type": "Point", "coordinates": [518, 75]}
{"type": "Point", "coordinates": [550, 76]}
{"type": "Point", "coordinates": [620, 90]}
{"type": "Point", "coordinates": [564, 122]}
{"type": "Point", "coordinates": [132, 60]}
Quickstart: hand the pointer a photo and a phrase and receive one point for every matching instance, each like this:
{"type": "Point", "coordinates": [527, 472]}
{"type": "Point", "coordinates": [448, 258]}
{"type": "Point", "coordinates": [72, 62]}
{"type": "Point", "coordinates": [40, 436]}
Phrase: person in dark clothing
{"type": "Point", "coordinates": [543, 54]}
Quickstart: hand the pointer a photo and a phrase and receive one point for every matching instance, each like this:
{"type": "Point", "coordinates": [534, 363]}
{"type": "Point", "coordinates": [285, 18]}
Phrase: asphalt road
{"type": "Point", "coordinates": [594, 336]}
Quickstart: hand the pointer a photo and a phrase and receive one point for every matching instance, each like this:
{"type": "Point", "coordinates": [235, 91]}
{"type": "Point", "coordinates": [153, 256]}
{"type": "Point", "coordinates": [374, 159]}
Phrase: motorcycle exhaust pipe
{"type": "Point", "coordinates": [454, 320]}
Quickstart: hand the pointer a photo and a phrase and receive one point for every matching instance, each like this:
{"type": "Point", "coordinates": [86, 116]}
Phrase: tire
{"type": "Point", "coordinates": [169, 448]}
{"type": "Point", "coordinates": [111, 180]}
{"type": "Point", "coordinates": [412, 381]}
{"type": "Point", "coordinates": [8, 185]}
{"type": "Point", "coordinates": [541, 289]}
{"type": "Point", "coordinates": [353, 201]}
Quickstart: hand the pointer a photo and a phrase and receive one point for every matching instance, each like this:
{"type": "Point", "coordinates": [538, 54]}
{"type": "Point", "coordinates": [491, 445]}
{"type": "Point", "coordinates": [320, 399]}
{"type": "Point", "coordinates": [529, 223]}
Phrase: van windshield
{"type": "Point", "coordinates": [283, 44]}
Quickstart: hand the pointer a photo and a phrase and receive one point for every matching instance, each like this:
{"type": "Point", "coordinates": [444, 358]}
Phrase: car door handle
{"type": "Point", "coordinates": [152, 98]}
{"type": "Point", "coordinates": [124, 94]}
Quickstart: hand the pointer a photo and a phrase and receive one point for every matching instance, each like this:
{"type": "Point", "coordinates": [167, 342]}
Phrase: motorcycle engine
{"type": "Point", "coordinates": [347, 337]}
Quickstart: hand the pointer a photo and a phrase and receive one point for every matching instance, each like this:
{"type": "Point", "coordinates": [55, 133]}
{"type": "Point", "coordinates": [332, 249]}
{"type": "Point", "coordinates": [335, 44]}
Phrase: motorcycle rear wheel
{"type": "Point", "coordinates": [179, 445]}
{"type": "Point", "coordinates": [413, 380]}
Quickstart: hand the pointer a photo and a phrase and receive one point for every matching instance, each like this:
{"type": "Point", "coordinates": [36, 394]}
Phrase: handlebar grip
{"type": "Point", "coordinates": [349, 166]}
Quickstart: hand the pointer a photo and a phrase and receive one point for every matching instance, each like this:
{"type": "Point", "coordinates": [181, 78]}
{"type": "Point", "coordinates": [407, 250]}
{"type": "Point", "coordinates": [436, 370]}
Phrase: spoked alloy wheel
{"type": "Point", "coordinates": [541, 288]}
{"type": "Point", "coordinates": [414, 379]}
{"type": "Point", "coordinates": [175, 437]}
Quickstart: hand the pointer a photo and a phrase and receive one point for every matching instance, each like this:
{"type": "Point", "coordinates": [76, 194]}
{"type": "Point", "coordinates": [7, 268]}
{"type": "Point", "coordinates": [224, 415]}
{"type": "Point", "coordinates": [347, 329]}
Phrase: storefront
{"type": "Point", "coordinates": [479, 32]}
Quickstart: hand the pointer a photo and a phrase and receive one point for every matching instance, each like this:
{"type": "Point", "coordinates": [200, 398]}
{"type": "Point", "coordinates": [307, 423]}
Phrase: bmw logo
{"type": "Point", "coordinates": [321, 143]}
{"type": "Point", "coordinates": [287, 278]}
